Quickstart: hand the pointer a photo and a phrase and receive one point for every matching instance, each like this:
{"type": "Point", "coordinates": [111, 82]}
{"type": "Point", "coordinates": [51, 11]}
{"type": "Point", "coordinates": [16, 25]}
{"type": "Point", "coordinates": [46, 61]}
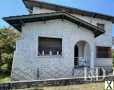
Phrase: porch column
{"type": "Point", "coordinates": [92, 54]}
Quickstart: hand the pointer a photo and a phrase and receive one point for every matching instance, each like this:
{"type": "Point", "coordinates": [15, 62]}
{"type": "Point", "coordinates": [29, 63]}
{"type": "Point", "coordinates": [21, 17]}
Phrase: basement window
{"type": "Point", "coordinates": [49, 46]}
{"type": "Point", "coordinates": [103, 52]}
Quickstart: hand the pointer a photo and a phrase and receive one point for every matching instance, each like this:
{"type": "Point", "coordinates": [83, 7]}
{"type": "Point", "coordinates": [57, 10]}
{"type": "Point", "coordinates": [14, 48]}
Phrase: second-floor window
{"type": "Point", "coordinates": [49, 46]}
{"type": "Point", "coordinates": [102, 26]}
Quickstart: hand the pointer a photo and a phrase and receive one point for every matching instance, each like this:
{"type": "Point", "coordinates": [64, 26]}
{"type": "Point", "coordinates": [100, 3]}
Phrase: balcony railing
{"type": "Point", "coordinates": [50, 51]}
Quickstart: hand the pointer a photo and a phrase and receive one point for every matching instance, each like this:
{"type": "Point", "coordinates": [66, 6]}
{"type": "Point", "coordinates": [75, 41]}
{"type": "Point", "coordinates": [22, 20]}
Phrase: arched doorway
{"type": "Point", "coordinates": [81, 54]}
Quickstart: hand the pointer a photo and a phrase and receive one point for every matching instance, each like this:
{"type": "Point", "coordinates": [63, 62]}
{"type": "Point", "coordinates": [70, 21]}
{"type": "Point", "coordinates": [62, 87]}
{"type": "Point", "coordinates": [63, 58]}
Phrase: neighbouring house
{"type": "Point", "coordinates": [57, 40]}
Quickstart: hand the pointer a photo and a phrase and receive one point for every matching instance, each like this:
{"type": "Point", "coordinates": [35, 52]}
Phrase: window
{"type": "Point", "coordinates": [102, 26]}
{"type": "Point", "coordinates": [103, 52]}
{"type": "Point", "coordinates": [50, 46]}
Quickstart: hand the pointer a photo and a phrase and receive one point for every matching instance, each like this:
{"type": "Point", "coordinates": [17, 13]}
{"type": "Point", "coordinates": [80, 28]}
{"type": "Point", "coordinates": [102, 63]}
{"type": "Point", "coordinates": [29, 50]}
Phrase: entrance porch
{"type": "Point", "coordinates": [83, 55]}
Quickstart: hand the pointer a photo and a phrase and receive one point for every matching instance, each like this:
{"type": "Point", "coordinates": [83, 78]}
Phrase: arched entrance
{"type": "Point", "coordinates": [81, 54]}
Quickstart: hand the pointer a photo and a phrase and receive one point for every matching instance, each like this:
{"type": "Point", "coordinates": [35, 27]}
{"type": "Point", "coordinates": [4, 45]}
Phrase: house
{"type": "Point", "coordinates": [112, 40]}
{"type": "Point", "coordinates": [57, 40]}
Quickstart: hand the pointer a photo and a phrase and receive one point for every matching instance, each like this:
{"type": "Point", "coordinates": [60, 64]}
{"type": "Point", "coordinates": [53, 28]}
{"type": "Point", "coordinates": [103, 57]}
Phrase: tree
{"type": "Point", "coordinates": [113, 56]}
{"type": "Point", "coordinates": [8, 38]}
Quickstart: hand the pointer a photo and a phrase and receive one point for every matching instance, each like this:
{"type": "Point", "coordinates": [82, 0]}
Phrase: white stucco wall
{"type": "Point", "coordinates": [104, 62]}
{"type": "Point", "coordinates": [37, 10]}
{"type": "Point", "coordinates": [26, 54]}
{"type": "Point", "coordinates": [103, 40]}
{"type": "Point", "coordinates": [26, 57]}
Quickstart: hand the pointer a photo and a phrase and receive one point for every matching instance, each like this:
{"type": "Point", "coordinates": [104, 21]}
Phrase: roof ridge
{"type": "Point", "coordinates": [30, 3]}
{"type": "Point", "coordinates": [69, 7]}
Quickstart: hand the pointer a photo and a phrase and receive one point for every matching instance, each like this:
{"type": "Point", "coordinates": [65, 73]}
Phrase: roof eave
{"type": "Point", "coordinates": [18, 21]}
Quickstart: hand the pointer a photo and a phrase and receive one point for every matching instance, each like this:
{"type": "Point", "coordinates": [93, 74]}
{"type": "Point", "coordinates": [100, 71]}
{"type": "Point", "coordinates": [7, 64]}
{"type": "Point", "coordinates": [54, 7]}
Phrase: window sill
{"type": "Point", "coordinates": [105, 58]}
{"type": "Point", "coordinates": [50, 56]}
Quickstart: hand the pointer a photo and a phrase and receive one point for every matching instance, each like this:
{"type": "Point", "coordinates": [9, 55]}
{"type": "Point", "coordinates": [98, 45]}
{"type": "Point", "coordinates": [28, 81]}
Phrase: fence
{"type": "Point", "coordinates": [25, 74]}
{"type": "Point", "coordinates": [50, 82]}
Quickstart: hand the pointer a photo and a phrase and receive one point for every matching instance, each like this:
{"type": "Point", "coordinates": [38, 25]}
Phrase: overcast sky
{"type": "Point", "coordinates": [16, 7]}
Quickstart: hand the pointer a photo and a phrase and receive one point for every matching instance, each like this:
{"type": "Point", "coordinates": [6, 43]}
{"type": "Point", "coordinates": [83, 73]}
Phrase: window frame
{"type": "Point", "coordinates": [108, 52]}
{"type": "Point", "coordinates": [60, 53]}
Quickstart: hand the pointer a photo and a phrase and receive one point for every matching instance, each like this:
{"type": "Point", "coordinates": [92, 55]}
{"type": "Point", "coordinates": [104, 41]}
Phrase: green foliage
{"type": "Point", "coordinates": [8, 38]}
{"type": "Point", "coordinates": [4, 78]}
{"type": "Point", "coordinates": [113, 56]}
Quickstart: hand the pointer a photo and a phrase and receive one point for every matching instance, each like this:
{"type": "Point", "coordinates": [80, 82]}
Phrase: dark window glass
{"type": "Point", "coordinates": [103, 52]}
{"type": "Point", "coordinates": [47, 45]}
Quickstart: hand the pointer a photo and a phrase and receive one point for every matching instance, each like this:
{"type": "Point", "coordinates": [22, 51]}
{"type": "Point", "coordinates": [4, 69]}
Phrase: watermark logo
{"type": "Point", "coordinates": [94, 74]}
{"type": "Point", "coordinates": [108, 85]}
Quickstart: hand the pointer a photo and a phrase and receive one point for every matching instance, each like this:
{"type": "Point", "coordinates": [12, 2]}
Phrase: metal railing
{"type": "Point", "coordinates": [80, 61]}
{"type": "Point", "coordinates": [50, 51]}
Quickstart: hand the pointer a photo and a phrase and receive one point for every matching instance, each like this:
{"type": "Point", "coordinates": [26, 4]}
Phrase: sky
{"type": "Point", "coordinates": [16, 7]}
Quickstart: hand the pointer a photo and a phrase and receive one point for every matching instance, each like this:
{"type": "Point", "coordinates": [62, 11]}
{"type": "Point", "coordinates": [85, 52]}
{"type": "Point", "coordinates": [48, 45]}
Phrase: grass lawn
{"type": "Point", "coordinates": [4, 78]}
{"type": "Point", "coordinates": [92, 86]}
